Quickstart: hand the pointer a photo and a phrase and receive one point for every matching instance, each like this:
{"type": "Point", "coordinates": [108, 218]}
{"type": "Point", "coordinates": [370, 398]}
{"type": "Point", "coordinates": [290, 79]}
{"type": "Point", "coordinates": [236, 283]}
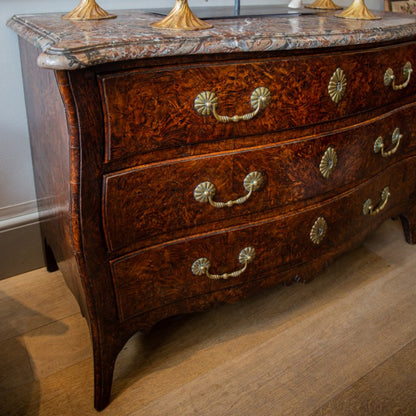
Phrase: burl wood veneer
{"type": "Point", "coordinates": [120, 152]}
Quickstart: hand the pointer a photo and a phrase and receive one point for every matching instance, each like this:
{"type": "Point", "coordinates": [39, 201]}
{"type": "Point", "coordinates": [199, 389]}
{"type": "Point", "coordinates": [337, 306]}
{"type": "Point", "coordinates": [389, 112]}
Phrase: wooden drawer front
{"type": "Point", "coordinates": [154, 277]}
{"type": "Point", "coordinates": [150, 109]}
{"type": "Point", "coordinates": [154, 200]}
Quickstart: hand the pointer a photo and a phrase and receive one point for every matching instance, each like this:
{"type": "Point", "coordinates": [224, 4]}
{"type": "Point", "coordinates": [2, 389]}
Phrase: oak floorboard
{"type": "Point", "coordinates": [58, 345]}
{"type": "Point", "coordinates": [32, 300]}
{"type": "Point", "coordinates": [288, 351]}
{"type": "Point", "coordinates": [310, 361]}
{"type": "Point", "coordinates": [390, 389]}
{"type": "Point", "coordinates": [388, 242]}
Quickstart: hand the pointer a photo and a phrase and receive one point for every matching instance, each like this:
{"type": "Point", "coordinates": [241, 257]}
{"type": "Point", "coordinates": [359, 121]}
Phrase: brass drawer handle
{"type": "Point", "coordinates": [390, 78]}
{"type": "Point", "coordinates": [201, 266]}
{"type": "Point", "coordinates": [206, 104]}
{"type": "Point", "coordinates": [368, 208]}
{"type": "Point", "coordinates": [395, 139]}
{"type": "Point", "coordinates": [205, 191]}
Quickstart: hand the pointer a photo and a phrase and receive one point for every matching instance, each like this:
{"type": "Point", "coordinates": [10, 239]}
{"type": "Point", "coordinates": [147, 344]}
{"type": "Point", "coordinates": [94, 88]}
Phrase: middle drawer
{"type": "Point", "coordinates": [173, 197]}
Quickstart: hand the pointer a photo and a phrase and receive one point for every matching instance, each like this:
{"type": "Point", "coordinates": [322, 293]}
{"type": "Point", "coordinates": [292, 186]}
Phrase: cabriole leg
{"type": "Point", "coordinates": [103, 379]}
{"type": "Point", "coordinates": [105, 355]}
{"type": "Point", "coordinates": [409, 225]}
{"type": "Point", "coordinates": [51, 265]}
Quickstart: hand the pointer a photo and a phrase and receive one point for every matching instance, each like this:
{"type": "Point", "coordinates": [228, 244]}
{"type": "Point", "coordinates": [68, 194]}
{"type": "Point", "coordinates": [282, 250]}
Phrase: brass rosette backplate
{"type": "Point", "coordinates": [337, 85]}
{"type": "Point", "coordinates": [318, 230]}
{"type": "Point", "coordinates": [328, 162]}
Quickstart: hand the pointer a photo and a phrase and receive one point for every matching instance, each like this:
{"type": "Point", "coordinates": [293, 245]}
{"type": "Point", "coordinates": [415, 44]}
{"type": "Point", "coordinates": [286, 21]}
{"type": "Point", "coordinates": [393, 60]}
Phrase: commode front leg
{"type": "Point", "coordinates": [50, 261]}
{"type": "Point", "coordinates": [105, 355]}
{"type": "Point", "coordinates": [409, 225]}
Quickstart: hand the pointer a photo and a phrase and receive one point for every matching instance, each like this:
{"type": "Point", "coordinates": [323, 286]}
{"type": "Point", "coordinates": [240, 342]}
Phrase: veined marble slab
{"type": "Point", "coordinates": [69, 45]}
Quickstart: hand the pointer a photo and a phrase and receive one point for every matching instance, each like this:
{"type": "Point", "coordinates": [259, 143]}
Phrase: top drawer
{"type": "Point", "coordinates": [154, 108]}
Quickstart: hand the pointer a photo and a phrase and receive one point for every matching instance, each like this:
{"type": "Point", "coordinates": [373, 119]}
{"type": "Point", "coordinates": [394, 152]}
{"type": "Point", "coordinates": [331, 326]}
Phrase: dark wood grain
{"type": "Point", "coordinates": [152, 278]}
{"type": "Point", "coordinates": [157, 200]}
{"type": "Point", "coordinates": [118, 150]}
{"type": "Point", "coordinates": [50, 147]}
{"type": "Point", "coordinates": [151, 109]}
{"type": "Point", "coordinates": [107, 336]}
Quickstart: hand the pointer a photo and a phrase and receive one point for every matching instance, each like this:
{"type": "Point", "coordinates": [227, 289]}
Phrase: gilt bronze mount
{"type": "Point", "coordinates": [390, 78]}
{"type": "Point", "coordinates": [328, 162]}
{"type": "Point", "coordinates": [324, 5]}
{"type": "Point", "coordinates": [206, 104]}
{"type": "Point", "coordinates": [318, 230]}
{"type": "Point", "coordinates": [370, 209]}
{"type": "Point", "coordinates": [395, 139]}
{"type": "Point", "coordinates": [201, 266]}
{"type": "Point", "coordinates": [359, 11]}
{"type": "Point", "coordinates": [88, 10]}
{"type": "Point", "coordinates": [181, 18]}
{"type": "Point", "coordinates": [337, 85]}
{"type": "Point", "coordinates": [205, 191]}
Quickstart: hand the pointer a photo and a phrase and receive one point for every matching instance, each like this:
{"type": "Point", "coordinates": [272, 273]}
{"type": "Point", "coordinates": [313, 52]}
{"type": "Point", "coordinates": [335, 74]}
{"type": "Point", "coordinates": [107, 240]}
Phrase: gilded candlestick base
{"type": "Point", "coordinates": [324, 5]}
{"type": "Point", "coordinates": [88, 10]}
{"type": "Point", "coordinates": [357, 10]}
{"type": "Point", "coordinates": [181, 18]}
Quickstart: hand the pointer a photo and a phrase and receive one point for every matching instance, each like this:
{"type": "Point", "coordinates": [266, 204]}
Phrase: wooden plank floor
{"type": "Point", "coordinates": [344, 344]}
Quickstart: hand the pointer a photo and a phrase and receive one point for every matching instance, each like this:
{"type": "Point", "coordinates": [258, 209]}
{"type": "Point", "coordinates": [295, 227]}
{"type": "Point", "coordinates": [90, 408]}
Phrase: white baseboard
{"type": "Point", "coordinates": [19, 215]}
{"type": "Point", "coordinates": [20, 240]}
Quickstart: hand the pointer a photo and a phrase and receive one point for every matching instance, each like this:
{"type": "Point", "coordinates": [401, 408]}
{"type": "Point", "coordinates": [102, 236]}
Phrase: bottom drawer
{"type": "Point", "coordinates": [161, 275]}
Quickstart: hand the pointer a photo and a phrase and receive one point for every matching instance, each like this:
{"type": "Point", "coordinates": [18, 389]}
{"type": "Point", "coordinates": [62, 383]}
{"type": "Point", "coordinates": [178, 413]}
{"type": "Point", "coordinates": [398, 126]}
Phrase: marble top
{"type": "Point", "coordinates": [77, 44]}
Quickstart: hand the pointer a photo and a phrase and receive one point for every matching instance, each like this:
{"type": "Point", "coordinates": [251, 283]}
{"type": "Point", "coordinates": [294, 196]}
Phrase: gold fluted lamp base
{"type": "Point", "coordinates": [324, 5]}
{"type": "Point", "coordinates": [358, 10]}
{"type": "Point", "coordinates": [88, 10]}
{"type": "Point", "coordinates": [181, 18]}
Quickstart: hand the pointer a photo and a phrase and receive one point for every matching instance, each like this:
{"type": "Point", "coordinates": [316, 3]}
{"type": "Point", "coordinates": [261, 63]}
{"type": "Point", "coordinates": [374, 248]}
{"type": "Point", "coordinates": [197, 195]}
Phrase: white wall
{"type": "Point", "coordinates": [17, 195]}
